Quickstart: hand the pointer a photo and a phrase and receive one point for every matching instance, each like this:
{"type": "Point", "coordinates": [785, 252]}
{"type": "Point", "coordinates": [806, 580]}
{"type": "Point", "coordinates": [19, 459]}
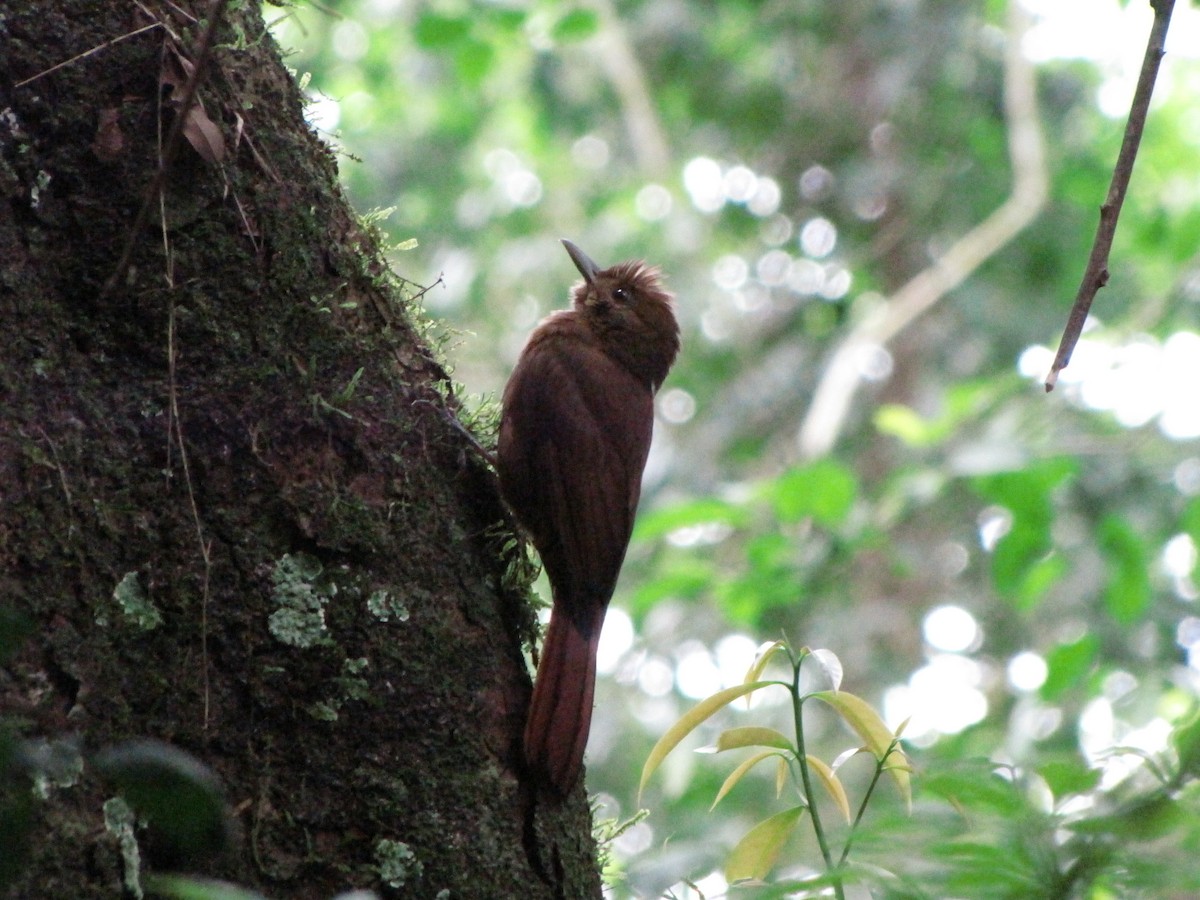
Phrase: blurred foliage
{"type": "Point", "coordinates": [790, 165]}
{"type": "Point", "coordinates": [177, 797]}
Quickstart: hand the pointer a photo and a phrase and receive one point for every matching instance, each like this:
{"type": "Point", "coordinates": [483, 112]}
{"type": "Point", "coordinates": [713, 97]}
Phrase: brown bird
{"type": "Point", "coordinates": [575, 429]}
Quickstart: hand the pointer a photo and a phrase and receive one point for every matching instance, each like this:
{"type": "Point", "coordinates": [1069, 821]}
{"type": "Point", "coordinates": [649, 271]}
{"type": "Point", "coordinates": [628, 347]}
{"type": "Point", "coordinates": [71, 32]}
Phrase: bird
{"type": "Point", "coordinates": [577, 415]}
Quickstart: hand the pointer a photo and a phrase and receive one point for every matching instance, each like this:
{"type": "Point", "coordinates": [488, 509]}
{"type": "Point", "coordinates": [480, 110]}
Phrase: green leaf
{"type": "Point", "coordinates": [1039, 577]}
{"type": "Point", "coordinates": [1128, 592]}
{"type": "Point", "coordinates": [833, 785]}
{"type": "Point", "coordinates": [1144, 819]}
{"type": "Point", "coordinates": [1068, 776]}
{"type": "Point", "coordinates": [1067, 664]}
{"type": "Point", "coordinates": [905, 423]}
{"type": "Point", "coordinates": [678, 579]}
{"type": "Point", "coordinates": [737, 774]}
{"type": "Point", "coordinates": [823, 490]}
{"type": "Point", "coordinates": [658, 523]}
{"type": "Point", "coordinates": [1185, 738]}
{"type": "Point", "coordinates": [754, 854]}
{"type": "Point", "coordinates": [983, 867]}
{"type": "Point", "coordinates": [771, 580]}
{"type": "Point", "coordinates": [692, 719]}
{"type": "Point", "coordinates": [1190, 520]}
{"type": "Point", "coordinates": [436, 32]}
{"type": "Point", "coordinates": [868, 725]}
{"type": "Point", "coordinates": [751, 736]}
{"type": "Point", "coordinates": [962, 403]}
{"type": "Point", "coordinates": [509, 19]}
{"type": "Point", "coordinates": [576, 25]}
{"type": "Point", "coordinates": [474, 61]}
{"type": "Point", "coordinates": [182, 887]}
{"type": "Point", "coordinates": [1028, 496]}
{"type": "Point", "coordinates": [976, 788]}
{"type": "Point", "coordinates": [179, 796]}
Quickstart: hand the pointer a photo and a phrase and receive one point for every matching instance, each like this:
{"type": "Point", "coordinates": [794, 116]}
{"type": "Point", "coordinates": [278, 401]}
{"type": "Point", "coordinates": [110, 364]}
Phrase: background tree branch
{"type": "Point", "coordinates": [842, 375]}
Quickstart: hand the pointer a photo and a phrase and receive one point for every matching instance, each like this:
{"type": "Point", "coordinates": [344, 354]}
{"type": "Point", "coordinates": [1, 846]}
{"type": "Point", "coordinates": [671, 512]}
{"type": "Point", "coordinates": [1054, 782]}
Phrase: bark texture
{"type": "Point", "coordinates": [232, 504]}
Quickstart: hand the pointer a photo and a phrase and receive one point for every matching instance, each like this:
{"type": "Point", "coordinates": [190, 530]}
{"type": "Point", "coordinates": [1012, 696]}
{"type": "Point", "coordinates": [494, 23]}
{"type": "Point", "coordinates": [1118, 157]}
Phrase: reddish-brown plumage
{"type": "Point", "coordinates": [574, 433]}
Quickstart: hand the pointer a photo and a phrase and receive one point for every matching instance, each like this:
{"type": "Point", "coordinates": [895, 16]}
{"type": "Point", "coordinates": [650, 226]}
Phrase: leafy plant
{"type": "Point", "coordinates": [755, 854]}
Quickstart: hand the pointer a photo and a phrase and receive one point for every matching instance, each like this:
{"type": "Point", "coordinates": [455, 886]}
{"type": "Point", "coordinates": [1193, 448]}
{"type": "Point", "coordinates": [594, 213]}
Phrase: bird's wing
{"type": "Point", "coordinates": [573, 443]}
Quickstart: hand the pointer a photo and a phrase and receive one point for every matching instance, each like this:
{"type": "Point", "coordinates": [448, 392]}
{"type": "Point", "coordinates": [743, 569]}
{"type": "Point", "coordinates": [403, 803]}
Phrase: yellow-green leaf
{"type": "Point", "coordinates": [736, 775]}
{"type": "Point", "coordinates": [833, 785]}
{"type": "Point", "coordinates": [879, 739]}
{"type": "Point", "coordinates": [761, 660]}
{"type": "Point", "coordinates": [752, 736]}
{"type": "Point", "coordinates": [755, 853]}
{"type": "Point", "coordinates": [781, 776]}
{"type": "Point", "coordinates": [689, 722]}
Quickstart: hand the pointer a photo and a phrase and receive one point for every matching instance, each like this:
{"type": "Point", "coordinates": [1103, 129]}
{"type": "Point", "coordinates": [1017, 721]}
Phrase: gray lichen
{"type": "Point", "coordinates": [301, 595]}
{"type": "Point", "coordinates": [133, 603]}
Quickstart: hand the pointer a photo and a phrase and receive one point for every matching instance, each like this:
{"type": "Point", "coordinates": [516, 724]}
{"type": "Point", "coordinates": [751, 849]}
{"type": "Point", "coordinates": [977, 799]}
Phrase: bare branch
{"type": "Point", "coordinates": [1026, 150]}
{"type": "Point", "coordinates": [1095, 276]}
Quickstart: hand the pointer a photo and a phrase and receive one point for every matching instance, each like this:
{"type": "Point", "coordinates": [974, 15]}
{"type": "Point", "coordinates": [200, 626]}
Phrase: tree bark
{"type": "Point", "coordinates": [233, 506]}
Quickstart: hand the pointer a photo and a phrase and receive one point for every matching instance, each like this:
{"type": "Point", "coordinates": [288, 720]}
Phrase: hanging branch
{"type": "Point", "coordinates": [1095, 276]}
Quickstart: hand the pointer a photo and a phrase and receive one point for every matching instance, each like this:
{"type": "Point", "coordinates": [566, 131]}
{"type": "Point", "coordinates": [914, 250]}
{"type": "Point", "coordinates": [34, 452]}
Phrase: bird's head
{"type": "Point", "coordinates": [630, 311]}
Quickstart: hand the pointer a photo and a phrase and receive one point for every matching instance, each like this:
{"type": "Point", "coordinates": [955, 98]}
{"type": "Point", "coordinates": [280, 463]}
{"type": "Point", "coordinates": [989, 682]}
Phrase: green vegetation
{"type": "Point", "coordinates": [854, 450]}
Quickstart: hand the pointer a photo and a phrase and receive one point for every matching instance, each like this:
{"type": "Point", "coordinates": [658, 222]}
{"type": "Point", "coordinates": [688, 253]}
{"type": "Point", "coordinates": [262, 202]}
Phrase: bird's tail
{"type": "Point", "coordinates": [560, 713]}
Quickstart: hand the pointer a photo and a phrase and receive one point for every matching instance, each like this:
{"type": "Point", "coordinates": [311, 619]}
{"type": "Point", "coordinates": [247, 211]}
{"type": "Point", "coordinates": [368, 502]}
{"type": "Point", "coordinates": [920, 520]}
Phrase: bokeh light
{"type": "Point", "coordinates": [951, 629]}
{"type": "Point", "coordinates": [1027, 671]}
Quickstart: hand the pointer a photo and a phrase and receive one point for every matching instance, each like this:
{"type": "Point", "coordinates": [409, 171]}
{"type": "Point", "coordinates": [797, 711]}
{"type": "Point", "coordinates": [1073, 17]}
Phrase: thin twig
{"type": "Point", "coordinates": [1095, 276]}
{"type": "Point", "coordinates": [150, 14]}
{"type": "Point", "coordinates": [176, 434]}
{"type": "Point", "coordinates": [62, 478]}
{"type": "Point", "coordinates": [87, 53]}
{"type": "Point", "coordinates": [893, 747]}
{"type": "Point", "coordinates": [174, 421]}
{"type": "Point", "coordinates": [831, 400]}
{"type": "Point", "coordinates": [170, 147]}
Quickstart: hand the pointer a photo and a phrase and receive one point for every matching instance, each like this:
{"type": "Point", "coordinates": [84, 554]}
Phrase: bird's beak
{"type": "Point", "coordinates": [584, 263]}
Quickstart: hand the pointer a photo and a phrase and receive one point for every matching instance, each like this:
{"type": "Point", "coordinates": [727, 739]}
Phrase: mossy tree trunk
{"type": "Point", "coordinates": [233, 507]}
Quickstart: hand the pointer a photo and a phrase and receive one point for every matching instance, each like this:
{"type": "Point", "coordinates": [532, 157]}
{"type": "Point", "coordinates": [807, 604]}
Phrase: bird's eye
{"type": "Point", "coordinates": [621, 295]}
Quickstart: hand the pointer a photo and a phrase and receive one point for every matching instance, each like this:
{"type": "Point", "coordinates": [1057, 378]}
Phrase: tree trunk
{"type": "Point", "coordinates": [233, 507]}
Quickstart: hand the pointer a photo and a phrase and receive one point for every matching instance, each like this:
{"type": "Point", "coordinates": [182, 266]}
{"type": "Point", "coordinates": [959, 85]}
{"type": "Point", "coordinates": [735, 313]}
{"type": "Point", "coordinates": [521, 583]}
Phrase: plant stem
{"type": "Point", "coordinates": [806, 778]}
{"type": "Point", "coordinates": [862, 807]}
